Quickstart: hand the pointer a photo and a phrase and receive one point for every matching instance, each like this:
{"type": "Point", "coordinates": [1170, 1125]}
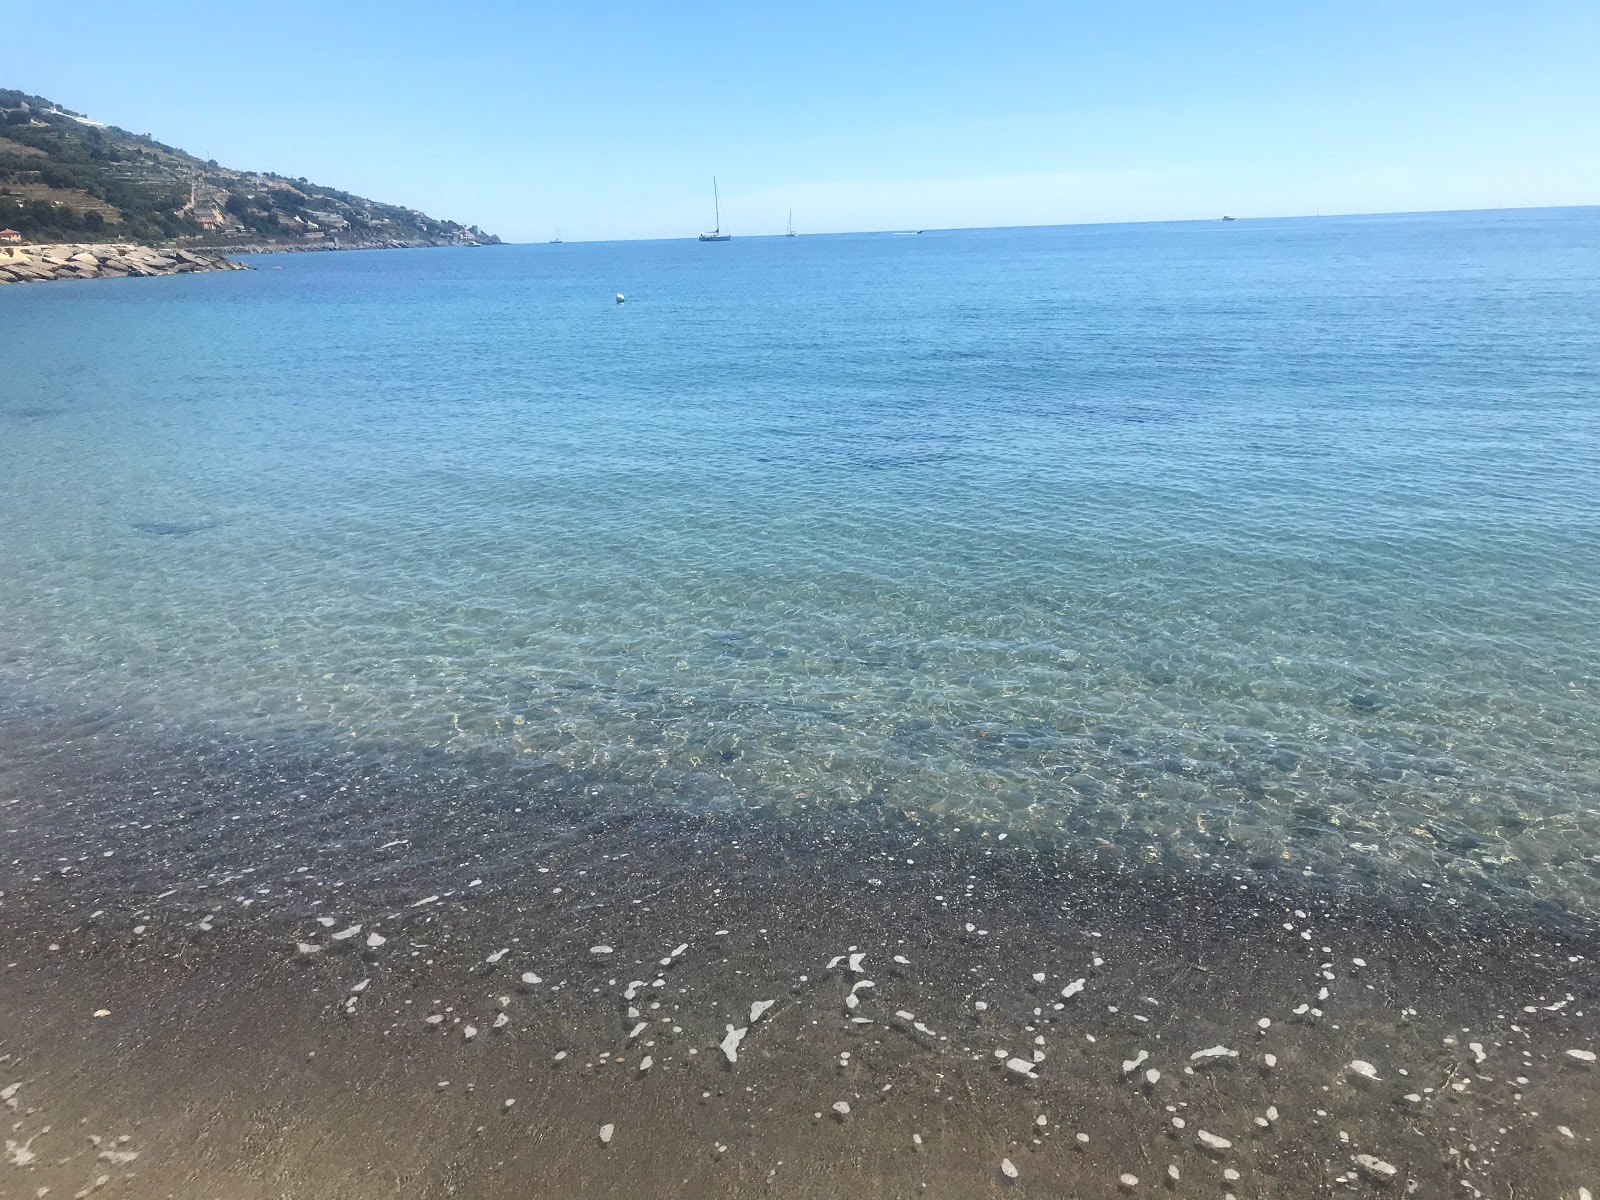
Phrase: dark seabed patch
{"type": "Point", "coordinates": [250, 971]}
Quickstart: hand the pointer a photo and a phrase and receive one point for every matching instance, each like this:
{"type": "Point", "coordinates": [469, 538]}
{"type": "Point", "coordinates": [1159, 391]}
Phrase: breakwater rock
{"type": "Point", "coordinates": [36, 264]}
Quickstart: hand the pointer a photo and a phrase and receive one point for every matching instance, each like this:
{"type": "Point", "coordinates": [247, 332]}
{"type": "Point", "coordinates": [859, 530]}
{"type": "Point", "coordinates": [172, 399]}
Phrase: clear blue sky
{"type": "Point", "coordinates": [609, 119]}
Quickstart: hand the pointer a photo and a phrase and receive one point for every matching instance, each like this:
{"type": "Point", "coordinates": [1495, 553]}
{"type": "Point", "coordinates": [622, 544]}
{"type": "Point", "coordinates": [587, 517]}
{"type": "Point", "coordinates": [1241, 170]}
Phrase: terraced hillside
{"type": "Point", "coordinates": [65, 178]}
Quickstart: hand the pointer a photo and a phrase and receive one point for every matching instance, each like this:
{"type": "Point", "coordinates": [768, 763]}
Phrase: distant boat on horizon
{"type": "Point", "coordinates": [1225, 217]}
{"type": "Point", "coordinates": [716, 234]}
{"type": "Point", "coordinates": [788, 230]}
{"type": "Point", "coordinates": [556, 241]}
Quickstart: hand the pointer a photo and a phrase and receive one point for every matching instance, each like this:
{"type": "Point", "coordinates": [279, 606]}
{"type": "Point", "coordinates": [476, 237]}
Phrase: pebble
{"type": "Point", "coordinates": [530, 977]}
{"type": "Point", "coordinates": [1152, 1076]}
{"type": "Point", "coordinates": [646, 1063]}
{"type": "Point", "coordinates": [497, 956]}
{"type": "Point", "coordinates": [1128, 1181]}
{"type": "Point", "coordinates": [1376, 1167]}
{"type": "Point", "coordinates": [470, 1032]}
{"type": "Point", "coordinates": [599, 949]}
{"type": "Point", "coordinates": [1212, 1142]}
{"type": "Point", "coordinates": [1008, 1168]}
{"type": "Point", "coordinates": [1172, 1172]}
{"type": "Point", "coordinates": [1021, 1066]}
{"type": "Point", "coordinates": [1581, 1055]}
{"type": "Point", "coordinates": [1363, 1068]}
{"type": "Point", "coordinates": [1073, 988]}
{"type": "Point", "coordinates": [606, 1132]}
{"type": "Point", "coordinates": [501, 1021]}
{"type": "Point", "coordinates": [730, 1044]}
{"type": "Point", "coordinates": [841, 1108]}
{"type": "Point", "coordinates": [374, 940]}
{"type": "Point", "coordinates": [1211, 1052]}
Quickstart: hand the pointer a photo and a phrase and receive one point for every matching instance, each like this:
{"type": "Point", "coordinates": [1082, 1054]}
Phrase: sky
{"type": "Point", "coordinates": [607, 120]}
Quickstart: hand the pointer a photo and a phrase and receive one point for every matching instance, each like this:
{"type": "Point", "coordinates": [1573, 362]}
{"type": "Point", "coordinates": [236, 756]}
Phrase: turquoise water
{"type": "Point", "coordinates": [1276, 542]}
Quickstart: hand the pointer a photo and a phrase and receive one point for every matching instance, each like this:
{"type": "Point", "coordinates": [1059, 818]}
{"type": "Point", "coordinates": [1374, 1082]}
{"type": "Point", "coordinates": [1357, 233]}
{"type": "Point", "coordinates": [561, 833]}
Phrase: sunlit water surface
{"type": "Point", "coordinates": [1277, 541]}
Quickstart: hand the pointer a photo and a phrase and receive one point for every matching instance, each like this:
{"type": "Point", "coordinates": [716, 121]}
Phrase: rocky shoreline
{"type": "Point", "coordinates": [118, 260]}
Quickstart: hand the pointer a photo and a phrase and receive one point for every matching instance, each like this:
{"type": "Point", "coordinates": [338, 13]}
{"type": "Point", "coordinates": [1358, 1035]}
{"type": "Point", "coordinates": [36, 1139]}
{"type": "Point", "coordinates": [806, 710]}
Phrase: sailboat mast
{"type": "Point", "coordinates": [716, 200]}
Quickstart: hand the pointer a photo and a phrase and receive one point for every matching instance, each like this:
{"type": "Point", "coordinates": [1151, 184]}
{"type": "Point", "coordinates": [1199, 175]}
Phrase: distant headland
{"type": "Point", "coordinates": [65, 179]}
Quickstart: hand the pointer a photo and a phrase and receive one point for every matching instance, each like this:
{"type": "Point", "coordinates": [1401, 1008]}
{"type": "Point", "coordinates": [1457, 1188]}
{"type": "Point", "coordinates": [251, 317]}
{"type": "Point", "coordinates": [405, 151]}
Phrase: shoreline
{"type": "Point", "coordinates": [55, 262]}
{"type": "Point", "coordinates": [104, 260]}
{"type": "Point", "coordinates": [248, 1001]}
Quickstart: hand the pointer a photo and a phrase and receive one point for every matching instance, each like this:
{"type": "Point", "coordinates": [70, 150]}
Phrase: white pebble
{"type": "Point", "coordinates": [1376, 1166]}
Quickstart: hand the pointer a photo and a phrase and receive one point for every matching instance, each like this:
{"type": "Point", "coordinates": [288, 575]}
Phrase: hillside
{"type": "Point", "coordinates": [65, 178]}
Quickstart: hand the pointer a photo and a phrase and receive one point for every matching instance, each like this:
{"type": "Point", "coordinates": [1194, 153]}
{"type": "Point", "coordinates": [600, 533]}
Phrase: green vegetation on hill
{"type": "Point", "coordinates": [65, 178]}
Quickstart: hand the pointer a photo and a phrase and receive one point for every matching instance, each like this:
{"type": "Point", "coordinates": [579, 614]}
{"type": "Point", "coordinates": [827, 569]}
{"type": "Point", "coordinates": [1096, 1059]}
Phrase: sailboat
{"type": "Point", "coordinates": [789, 229]}
{"type": "Point", "coordinates": [556, 241]}
{"type": "Point", "coordinates": [716, 235]}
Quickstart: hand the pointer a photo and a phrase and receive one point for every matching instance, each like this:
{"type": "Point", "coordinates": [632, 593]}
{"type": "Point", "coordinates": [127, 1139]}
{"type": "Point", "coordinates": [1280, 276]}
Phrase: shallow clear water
{"type": "Point", "coordinates": [1275, 540]}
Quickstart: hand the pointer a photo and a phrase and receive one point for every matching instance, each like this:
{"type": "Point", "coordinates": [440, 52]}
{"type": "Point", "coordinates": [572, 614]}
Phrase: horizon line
{"type": "Point", "coordinates": [1419, 212]}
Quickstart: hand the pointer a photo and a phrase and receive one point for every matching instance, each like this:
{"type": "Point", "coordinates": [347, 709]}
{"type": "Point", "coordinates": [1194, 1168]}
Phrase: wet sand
{"type": "Point", "coordinates": [196, 897]}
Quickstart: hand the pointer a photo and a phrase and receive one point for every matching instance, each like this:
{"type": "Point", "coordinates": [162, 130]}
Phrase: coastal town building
{"type": "Point", "coordinates": [10, 235]}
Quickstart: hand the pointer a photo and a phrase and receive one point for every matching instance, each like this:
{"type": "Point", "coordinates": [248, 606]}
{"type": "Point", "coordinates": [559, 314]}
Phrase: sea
{"type": "Point", "coordinates": [1272, 545]}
